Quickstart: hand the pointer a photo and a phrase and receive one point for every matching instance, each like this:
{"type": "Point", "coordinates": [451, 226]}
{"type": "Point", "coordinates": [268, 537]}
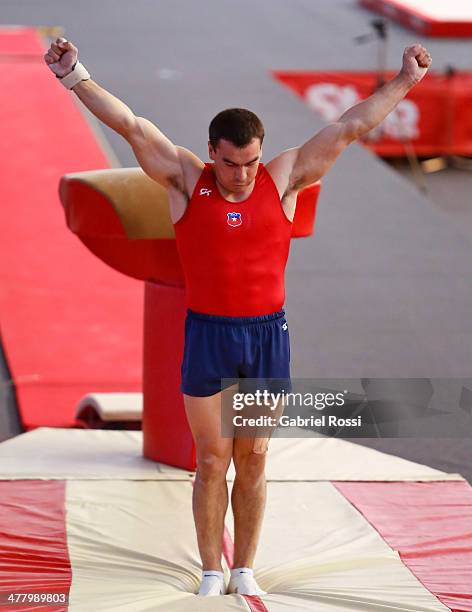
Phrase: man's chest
{"type": "Point", "coordinates": [235, 214]}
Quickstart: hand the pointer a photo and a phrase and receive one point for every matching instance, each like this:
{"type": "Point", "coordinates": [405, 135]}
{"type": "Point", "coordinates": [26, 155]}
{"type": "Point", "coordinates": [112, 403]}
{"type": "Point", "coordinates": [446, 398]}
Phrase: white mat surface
{"type": "Point", "coordinates": [133, 548]}
{"type": "Point", "coordinates": [55, 453]}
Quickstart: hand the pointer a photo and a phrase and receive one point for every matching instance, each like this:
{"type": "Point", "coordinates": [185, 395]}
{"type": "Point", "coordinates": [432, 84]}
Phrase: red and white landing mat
{"type": "Point", "coordinates": [346, 528]}
{"type": "Point", "coordinates": [431, 17]}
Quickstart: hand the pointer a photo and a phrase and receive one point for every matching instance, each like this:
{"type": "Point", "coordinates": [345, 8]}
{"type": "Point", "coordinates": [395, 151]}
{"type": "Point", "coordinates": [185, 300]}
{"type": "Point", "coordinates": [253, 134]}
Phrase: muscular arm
{"type": "Point", "coordinates": [105, 106]}
{"type": "Point", "coordinates": [156, 154]}
{"type": "Point", "coordinates": [302, 166]}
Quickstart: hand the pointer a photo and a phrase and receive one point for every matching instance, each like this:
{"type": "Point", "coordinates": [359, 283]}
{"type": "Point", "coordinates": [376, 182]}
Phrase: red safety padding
{"type": "Point", "coordinates": [419, 16]}
{"type": "Point", "coordinates": [166, 434]}
{"type": "Point", "coordinates": [430, 525]}
{"type": "Point", "coordinates": [305, 212]}
{"type": "Point", "coordinates": [149, 260]}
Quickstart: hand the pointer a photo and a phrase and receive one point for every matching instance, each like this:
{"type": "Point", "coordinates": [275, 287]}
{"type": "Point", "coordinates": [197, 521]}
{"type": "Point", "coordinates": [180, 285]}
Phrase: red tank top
{"type": "Point", "coordinates": [233, 254]}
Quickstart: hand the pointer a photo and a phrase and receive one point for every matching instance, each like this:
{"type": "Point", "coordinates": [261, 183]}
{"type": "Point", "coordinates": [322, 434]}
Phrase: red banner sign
{"type": "Point", "coordinates": [434, 117]}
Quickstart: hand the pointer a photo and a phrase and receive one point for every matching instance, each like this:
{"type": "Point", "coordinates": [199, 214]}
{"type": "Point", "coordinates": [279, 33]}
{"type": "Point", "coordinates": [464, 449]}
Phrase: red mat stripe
{"type": "Point", "coordinates": [69, 323]}
{"type": "Point", "coordinates": [33, 543]}
{"type": "Point", "coordinates": [430, 525]}
{"type": "Point", "coordinates": [254, 602]}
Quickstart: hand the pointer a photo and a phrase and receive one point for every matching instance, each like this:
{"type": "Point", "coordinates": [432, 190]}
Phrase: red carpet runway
{"type": "Point", "coordinates": [69, 324]}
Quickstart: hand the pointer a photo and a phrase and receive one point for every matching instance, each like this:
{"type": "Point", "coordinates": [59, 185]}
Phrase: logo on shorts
{"type": "Point", "coordinates": [205, 191]}
{"type": "Point", "coordinates": [285, 326]}
{"type": "Point", "coordinates": [234, 219]}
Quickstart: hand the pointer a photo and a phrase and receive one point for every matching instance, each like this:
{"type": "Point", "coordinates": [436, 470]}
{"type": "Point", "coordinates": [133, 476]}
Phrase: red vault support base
{"type": "Point", "coordinates": [166, 433]}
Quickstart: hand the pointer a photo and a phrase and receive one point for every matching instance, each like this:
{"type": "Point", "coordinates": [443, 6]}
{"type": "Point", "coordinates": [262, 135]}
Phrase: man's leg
{"type": "Point", "coordinates": [266, 356]}
{"type": "Point", "coordinates": [210, 493]}
{"type": "Point", "coordinates": [248, 500]}
{"type": "Point", "coordinates": [248, 497]}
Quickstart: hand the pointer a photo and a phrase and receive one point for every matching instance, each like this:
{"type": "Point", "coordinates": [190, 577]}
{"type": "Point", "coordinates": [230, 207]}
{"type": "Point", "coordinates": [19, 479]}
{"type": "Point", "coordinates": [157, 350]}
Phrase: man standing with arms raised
{"type": "Point", "coordinates": [232, 221]}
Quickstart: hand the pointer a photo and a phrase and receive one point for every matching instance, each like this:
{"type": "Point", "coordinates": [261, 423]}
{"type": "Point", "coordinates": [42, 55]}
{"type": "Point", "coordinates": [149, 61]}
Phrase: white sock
{"type": "Point", "coordinates": [213, 583]}
{"type": "Point", "coordinates": [243, 582]}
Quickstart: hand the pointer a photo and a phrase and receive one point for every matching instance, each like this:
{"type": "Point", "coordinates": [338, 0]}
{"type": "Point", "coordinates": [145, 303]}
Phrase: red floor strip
{"type": "Point", "coordinates": [430, 525]}
{"type": "Point", "coordinates": [254, 602]}
{"type": "Point", "coordinates": [228, 548]}
{"type": "Point", "coordinates": [33, 543]}
{"type": "Point", "coordinates": [69, 323]}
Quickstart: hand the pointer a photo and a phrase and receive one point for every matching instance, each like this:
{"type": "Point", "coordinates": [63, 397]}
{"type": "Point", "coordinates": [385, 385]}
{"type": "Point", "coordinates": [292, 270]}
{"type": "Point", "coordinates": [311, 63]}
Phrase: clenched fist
{"type": "Point", "coordinates": [61, 56]}
{"type": "Point", "coordinates": [416, 61]}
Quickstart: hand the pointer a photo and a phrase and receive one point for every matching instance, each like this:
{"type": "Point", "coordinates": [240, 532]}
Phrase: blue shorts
{"type": "Point", "coordinates": [238, 348]}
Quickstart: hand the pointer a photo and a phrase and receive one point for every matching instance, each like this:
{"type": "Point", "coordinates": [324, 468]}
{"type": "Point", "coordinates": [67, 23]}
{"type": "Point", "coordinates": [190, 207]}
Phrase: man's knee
{"type": "Point", "coordinates": [211, 466]}
{"type": "Point", "coordinates": [250, 464]}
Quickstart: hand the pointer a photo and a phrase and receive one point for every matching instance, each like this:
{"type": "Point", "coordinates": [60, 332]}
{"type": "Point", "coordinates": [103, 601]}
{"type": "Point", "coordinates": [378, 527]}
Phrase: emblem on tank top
{"type": "Point", "coordinates": [205, 191]}
{"type": "Point", "coordinates": [234, 219]}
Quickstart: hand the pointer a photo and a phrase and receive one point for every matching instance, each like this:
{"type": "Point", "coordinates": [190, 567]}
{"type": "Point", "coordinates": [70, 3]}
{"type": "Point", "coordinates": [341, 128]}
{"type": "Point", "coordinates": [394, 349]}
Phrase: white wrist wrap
{"type": "Point", "coordinates": [78, 74]}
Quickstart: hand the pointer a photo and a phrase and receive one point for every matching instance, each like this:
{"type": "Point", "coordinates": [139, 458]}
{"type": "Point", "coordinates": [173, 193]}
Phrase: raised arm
{"type": "Point", "coordinates": [301, 166]}
{"type": "Point", "coordinates": [156, 154]}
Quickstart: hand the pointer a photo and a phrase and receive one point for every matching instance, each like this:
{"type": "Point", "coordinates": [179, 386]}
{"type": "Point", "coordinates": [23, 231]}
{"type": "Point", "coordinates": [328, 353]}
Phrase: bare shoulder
{"type": "Point", "coordinates": [280, 169]}
{"type": "Point", "coordinates": [192, 167]}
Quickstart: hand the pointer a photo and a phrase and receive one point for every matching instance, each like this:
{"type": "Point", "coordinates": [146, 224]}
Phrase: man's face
{"type": "Point", "coordinates": [235, 167]}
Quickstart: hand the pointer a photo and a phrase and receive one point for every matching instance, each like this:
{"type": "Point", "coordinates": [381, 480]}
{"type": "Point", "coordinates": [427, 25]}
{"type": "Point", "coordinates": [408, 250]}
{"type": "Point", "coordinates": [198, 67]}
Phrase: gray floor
{"type": "Point", "coordinates": [383, 288]}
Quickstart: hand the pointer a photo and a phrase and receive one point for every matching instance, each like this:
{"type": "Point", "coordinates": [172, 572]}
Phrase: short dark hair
{"type": "Point", "coordinates": [237, 125]}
